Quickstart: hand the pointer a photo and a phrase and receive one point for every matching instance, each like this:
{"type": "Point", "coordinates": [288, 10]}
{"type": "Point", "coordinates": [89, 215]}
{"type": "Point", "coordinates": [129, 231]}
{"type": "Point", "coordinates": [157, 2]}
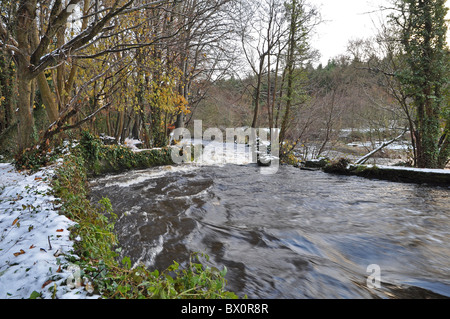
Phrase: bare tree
{"type": "Point", "coordinates": [262, 31]}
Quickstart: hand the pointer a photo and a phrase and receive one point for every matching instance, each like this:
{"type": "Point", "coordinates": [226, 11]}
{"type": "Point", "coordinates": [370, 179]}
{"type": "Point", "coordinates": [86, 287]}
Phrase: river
{"type": "Point", "coordinates": [294, 234]}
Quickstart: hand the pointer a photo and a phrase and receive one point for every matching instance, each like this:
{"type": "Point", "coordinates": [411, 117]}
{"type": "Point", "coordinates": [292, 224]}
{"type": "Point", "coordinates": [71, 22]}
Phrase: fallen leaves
{"type": "Point", "coordinates": [46, 283]}
{"type": "Point", "coordinates": [28, 216]}
{"type": "Point", "coordinates": [21, 252]}
{"type": "Point", "coordinates": [19, 197]}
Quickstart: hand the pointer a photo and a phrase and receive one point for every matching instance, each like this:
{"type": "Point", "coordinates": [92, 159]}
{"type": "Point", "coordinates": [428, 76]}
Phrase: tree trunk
{"type": "Point", "coordinates": [180, 120]}
{"type": "Point", "coordinates": [119, 127]}
{"type": "Point", "coordinates": [136, 126]}
{"type": "Point", "coordinates": [258, 91]}
{"type": "Point", "coordinates": [7, 91]}
{"type": "Point", "coordinates": [25, 123]}
{"type": "Point", "coordinates": [145, 131]}
{"type": "Point", "coordinates": [428, 130]}
{"type": "Point", "coordinates": [269, 113]}
{"type": "Point", "coordinates": [364, 159]}
{"type": "Point", "coordinates": [444, 146]}
{"type": "Point", "coordinates": [290, 83]}
{"type": "Point", "coordinates": [47, 98]}
{"type": "Point", "coordinates": [108, 123]}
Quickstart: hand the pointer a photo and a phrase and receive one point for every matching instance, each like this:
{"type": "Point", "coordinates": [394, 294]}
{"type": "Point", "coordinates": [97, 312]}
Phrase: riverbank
{"type": "Point", "coordinates": [56, 244]}
{"type": "Point", "coordinates": [35, 243]}
{"type": "Point", "coordinates": [439, 177]}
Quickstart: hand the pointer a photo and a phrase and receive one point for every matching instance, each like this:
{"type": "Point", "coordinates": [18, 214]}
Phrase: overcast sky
{"type": "Point", "coordinates": [345, 20]}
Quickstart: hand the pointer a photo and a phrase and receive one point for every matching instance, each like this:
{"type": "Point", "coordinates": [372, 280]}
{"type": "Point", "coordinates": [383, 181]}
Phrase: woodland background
{"type": "Point", "coordinates": [137, 69]}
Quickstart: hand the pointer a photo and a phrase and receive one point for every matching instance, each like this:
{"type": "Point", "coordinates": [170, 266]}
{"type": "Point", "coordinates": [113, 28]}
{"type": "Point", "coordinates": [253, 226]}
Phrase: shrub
{"type": "Point", "coordinates": [339, 167]}
{"type": "Point", "coordinates": [101, 159]}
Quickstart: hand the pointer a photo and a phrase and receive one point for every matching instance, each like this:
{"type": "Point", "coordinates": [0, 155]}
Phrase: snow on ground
{"type": "Point", "coordinates": [132, 143]}
{"type": "Point", "coordinates": [399, 146]}
{"type": "Point", "coordinates": [34, 239]}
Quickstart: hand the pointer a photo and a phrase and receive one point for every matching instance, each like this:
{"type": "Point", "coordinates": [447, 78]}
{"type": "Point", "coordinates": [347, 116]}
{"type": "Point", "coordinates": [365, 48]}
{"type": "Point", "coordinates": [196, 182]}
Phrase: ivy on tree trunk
{"type": "Point", "coordinates": [422, 30]}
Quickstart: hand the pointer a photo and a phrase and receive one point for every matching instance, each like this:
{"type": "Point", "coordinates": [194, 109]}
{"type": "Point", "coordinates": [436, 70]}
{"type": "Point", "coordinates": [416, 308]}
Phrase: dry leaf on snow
{"type": "Point", "coordinates": [21, 252]}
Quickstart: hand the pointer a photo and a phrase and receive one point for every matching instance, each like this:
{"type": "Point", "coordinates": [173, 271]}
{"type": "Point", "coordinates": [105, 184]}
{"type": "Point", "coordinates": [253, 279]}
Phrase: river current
{"type": "Point", "coordinates": [294, 234]}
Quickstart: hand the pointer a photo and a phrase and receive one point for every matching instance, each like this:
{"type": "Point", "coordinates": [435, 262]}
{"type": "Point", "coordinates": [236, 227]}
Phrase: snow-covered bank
{"type": "Point", "coordinates": [440, 177]}
{"type": "Point", "coordinates": [413, 169]}
{"type": "Point", "coordinates": [34, 239]}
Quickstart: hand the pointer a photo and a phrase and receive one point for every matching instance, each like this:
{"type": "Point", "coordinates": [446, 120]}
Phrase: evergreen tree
{"type": "Point", "coordinates": [422, 29]}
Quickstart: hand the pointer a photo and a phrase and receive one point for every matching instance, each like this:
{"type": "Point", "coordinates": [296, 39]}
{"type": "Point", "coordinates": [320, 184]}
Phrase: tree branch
{"type": "Point", "coordinates": [363, 159]}
{"type": "Point", "coordinates": [86, 36]}
{"type": "Point", "coordinates": [376, 70]}
{"type": "Point", "coordinates": [56, 21]}
{"type": "Point", "coordinates": [87, 118]}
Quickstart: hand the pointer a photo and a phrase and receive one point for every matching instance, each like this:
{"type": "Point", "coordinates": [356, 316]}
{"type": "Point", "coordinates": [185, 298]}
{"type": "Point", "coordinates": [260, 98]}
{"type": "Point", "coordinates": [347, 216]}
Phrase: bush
{"type": "Point", "coordinates": [192, 282]}
{"type": "Point", "coordinates": [339, 167]}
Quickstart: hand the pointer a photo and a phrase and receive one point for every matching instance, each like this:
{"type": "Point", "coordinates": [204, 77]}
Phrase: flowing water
{"type": "Point", "coordinates": [294, 234]}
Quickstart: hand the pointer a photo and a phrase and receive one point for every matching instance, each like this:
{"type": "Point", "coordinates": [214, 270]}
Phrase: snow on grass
{"type": "Point", "coordinates": [404, 168]}
{"type": "Point", "coordinates": [400, 146]}
{"type": "Point", "coordinates": [34, 239]}
{"type": "Point", "coordinates": [132, 143]}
